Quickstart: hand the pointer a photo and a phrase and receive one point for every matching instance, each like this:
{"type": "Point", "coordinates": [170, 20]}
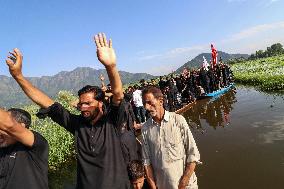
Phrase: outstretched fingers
{"type": "Point", "coordinates": [104, 39]}
{"type": "Point", "coordinates": [110, 43]}
{"type": "Point", "coordinates": [97, 41]}
{"type": "Point", "coordinates": [101, 41]}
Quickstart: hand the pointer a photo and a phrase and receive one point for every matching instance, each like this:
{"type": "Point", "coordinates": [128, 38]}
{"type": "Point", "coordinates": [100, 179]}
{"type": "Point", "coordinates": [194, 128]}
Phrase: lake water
{"type": "Point", "coordinates": [240, 136]}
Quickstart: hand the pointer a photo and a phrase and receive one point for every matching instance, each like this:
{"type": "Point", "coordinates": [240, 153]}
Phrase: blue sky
{"type": "Point", "coordinates": [152, 36]}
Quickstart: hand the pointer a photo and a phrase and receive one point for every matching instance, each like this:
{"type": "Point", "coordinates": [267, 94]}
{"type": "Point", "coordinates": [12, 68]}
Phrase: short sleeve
{"type": "Point", "coordinates": [39, 149]}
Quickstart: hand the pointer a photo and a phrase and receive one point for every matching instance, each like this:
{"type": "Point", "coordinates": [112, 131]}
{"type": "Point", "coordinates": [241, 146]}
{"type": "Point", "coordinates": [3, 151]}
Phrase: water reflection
{"type": "Point", "coordinates": [215, 111]}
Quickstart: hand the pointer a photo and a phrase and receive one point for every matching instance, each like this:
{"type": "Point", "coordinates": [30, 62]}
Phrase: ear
{"type": "Point", "coordinates": [22, 124]}
{"type": "Point", "coordinates": [161, 100]}
{"type": "Point", "coordinates": [100, 105]}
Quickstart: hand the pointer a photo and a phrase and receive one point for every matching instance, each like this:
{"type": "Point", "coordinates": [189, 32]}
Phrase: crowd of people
{"type": "Point", "coordinates": [108, 153]}
{"type": "Point", "coordinates": [111, 153]}
{"type": "Point", "coordinates": [181, 89]}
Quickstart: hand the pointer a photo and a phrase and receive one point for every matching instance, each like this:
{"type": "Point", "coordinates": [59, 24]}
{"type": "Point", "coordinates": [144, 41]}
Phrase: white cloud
{"type": "Point", "coordinates": [246, 41]}
{"type": "Point", "coordinates": [254, 31]}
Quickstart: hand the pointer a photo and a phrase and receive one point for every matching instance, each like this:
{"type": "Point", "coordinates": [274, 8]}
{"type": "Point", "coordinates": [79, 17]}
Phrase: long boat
{"type": "Point", "coordinates": [220, 91]}
{"type": "Point", "coordinates": [209, 95]}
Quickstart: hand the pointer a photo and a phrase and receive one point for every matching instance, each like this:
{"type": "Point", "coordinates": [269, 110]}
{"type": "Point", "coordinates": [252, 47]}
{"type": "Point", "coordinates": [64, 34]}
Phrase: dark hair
{"type": "Point", "coordinates": [98, 93]}
{"type": "Point", "coordinates": [157, 93]}
{"type": "Point", "coordinates": [136, 170]}
{"type": "Point", "coordinates": [21, 116]}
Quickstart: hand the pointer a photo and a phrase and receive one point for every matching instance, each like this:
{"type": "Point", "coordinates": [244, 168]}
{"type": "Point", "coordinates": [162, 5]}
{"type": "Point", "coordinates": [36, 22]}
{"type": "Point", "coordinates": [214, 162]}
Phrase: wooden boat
{"type": "Point", "coordinates": [186, 107]}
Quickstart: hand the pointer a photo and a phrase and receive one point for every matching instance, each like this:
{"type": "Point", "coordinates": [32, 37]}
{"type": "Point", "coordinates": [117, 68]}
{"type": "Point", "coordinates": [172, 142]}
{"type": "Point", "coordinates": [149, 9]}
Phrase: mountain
{"type": "Point", "coordinates": [198, 60]}
{"type": "Point", "coordinates": [11, 94]}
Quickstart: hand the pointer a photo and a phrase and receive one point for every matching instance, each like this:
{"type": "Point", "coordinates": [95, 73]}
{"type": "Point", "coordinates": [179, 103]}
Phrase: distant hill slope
{"type": "Point", "coordinates": [198, 60]}
{"type": "Point", "coordinates": [11, 94]}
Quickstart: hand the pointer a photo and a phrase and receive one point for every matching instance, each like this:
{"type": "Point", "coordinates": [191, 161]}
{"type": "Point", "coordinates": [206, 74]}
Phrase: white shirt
{"type": "Point", "coordinates": [137, 98]}
{"type": "Point", "coordinates": [168, 148]}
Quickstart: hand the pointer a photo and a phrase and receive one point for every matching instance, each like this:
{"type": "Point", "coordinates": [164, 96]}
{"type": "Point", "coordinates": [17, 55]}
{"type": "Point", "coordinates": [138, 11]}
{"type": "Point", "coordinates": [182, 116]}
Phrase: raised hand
{"type": "Point", "coordinates": [105, 52]}
{"type": "Point", "coordinates": [14, 62]}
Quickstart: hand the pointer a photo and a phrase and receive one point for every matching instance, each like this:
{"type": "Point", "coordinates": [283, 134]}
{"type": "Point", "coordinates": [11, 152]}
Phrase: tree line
{"type": "Point", "coordinates": [273, 50]}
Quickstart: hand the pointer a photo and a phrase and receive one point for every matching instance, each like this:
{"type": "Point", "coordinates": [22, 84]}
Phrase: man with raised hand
{"type": "Point", "coordinates": [23, 153]}
{"type": "Point", "coordinates": [100, 160]}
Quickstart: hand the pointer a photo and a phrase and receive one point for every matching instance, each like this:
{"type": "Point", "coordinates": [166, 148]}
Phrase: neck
{"type": "Point", "coordinates": [97, 118]}
{"type": "Point", "coordinates": [160, 116]}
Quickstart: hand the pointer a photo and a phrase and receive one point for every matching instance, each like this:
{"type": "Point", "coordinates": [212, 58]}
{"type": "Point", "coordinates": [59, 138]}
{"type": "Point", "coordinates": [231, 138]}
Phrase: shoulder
{"type": "Point", "coordinates": [39, 139]}
{"type": "Point", "coordinates": [178, 119]}
{"type": "Point", "coordinates": [146, 126]}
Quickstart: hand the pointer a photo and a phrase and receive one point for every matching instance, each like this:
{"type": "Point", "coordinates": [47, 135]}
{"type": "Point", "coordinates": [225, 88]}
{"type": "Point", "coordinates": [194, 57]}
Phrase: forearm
{"type": "Point", "coordinates": [115, 83]}
{"type": "Point", "coordinates": [8, 126]}
{"type": "Point", "coordinates": [190, 167]}
{"type": "Point", "coordinates": [33, 93]}
{"type": "Point", "coordinates": [150, 176]}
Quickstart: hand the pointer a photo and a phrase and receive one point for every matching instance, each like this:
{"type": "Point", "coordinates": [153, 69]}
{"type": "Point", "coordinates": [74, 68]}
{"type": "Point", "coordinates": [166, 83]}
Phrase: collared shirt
{"type": "Point", "coordinates": [168, 148]}
{"type": "Point", "coordinates": [137, 98]}
{"type": "Point", "coordinates": [100, 161]}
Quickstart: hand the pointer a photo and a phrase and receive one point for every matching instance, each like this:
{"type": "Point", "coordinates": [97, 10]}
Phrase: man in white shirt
{"type": "Point", "coordinates": [170, 153]}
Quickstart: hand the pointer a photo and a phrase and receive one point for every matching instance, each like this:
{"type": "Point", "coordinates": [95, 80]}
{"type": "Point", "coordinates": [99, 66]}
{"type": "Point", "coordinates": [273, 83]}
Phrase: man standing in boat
{"type": "Point", "coordinates": [170, 153]}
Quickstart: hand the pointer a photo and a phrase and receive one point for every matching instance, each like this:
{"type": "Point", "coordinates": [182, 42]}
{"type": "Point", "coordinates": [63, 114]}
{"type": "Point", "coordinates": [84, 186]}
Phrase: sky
{"type": "Point", "coordinates": [149, 36]}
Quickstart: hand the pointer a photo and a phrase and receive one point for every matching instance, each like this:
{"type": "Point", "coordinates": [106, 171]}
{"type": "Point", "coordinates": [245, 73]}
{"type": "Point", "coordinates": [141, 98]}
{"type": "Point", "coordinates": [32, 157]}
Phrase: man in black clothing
{"type": "Point", "coordinates": [97, 131]}
{"type": "Point", "coordinates": [23, 153]}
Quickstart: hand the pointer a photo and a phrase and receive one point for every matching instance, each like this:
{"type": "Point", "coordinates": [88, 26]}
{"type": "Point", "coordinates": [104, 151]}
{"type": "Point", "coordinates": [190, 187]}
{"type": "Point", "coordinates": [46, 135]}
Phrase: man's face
{"type": "Point", "coordinates": [88, 106]}
{"type": "Point", "coordinates": [6, 140]}
{"type": "Point", "coordinates": [153, 105]}
{"type": "Point", "coordinates": [138, 183]}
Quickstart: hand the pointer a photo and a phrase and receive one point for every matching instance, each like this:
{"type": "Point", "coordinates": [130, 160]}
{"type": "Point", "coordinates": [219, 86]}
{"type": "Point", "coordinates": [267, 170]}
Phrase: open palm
{"type": "Point", "coordinates": [105, 52]}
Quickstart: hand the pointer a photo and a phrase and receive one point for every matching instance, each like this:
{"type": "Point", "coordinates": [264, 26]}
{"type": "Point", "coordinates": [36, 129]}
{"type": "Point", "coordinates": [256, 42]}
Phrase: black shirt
{"type": "Point", "coordinates": [100, 162]}
{"type": "Point", "coordinates": [25, 167]}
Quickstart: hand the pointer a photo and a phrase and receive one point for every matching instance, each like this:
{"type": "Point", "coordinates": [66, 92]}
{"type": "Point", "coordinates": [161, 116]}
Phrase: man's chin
{"type": "Point", "coordinates": [153, 114]}
{"type": "Point", "coordinates": [88, 118]}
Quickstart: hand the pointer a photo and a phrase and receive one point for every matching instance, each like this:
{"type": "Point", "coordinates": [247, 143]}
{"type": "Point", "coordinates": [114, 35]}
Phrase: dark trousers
{"type": "Point", "coordinates": [139, 114]}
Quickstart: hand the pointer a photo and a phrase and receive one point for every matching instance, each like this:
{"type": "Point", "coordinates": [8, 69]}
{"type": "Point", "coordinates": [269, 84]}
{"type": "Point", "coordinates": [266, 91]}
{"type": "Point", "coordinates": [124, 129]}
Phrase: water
{"type": "Point", "coordinates": [240, 136]}
{"type": "Point", "coordinates": [241, 140]}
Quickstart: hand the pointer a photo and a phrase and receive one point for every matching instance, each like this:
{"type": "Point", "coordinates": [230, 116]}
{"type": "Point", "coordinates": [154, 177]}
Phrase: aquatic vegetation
{"type": "Point", "coordinates": [265, 73]}
{"type": "Point", "coordinates": [61, 142]}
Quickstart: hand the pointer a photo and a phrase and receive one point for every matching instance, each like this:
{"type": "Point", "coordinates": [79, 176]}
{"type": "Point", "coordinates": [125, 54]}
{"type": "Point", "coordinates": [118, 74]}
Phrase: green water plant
{"type": "Point", "coordinates": [265, 73]}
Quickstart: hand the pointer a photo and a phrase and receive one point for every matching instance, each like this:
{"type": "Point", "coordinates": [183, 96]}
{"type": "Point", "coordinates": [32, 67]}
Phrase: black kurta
{"type": "Point", "coordinates": [100, 162]}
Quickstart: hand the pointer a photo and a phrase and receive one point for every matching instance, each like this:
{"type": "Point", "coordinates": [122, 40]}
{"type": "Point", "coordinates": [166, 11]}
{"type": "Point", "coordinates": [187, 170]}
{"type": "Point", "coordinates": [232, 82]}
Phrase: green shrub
{"type": "Point", "coordinates": [61, 142]}
{"type": "Point", "coordinates": [265, 73]}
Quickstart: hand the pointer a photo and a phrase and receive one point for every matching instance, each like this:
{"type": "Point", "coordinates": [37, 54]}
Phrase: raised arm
{"type": "Point", "coordinates": [107, 57]}
{"type": "Point", "coordinates": [8, 126]}
{"type": "Point", "coordinates": [14, 62]}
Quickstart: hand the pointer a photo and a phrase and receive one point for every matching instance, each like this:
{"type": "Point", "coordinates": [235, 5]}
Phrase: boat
{"type": "Point", "coordinates": [186, 107]}
{"type": "Point", "coordinates": [220, 91]}
{"type": "Point", "coordinates": [209, 95]}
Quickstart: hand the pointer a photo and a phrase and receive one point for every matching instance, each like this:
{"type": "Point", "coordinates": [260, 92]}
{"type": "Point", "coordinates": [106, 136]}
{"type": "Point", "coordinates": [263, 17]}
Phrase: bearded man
{"type": "Point", "coordinates": [100, 160]}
